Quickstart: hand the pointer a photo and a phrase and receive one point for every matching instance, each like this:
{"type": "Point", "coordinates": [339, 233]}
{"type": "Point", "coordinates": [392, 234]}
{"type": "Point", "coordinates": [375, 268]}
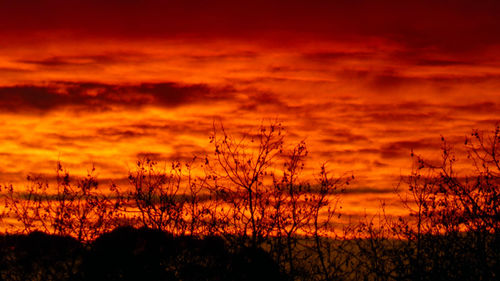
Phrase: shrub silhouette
{"type": "Point", "coordinates": [80, 209]}
{"type": "Point", "coordinates": [260, 179]}
{"type": "Point", "coordinates": [172, 199]}
{"type": "Point", "coordinates": [453, 229]}
{"type": "Point", "coordinates": [459, 212]}
{"type": "Point", "coordinates": [156, 195]}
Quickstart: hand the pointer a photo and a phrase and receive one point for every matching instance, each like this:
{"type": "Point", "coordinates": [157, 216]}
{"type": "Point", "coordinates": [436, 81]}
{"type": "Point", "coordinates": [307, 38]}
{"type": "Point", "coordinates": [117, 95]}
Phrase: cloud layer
{"type": "Point", "coordinates": [363, 83]}
{"type": "Point", "coordinates": [451, 26]}
{"type": "Point", "coordinates": [96, 96]}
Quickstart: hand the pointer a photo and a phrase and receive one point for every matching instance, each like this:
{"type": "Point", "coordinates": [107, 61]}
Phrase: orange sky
{"type": "Point", "coordinates": [362, 83]}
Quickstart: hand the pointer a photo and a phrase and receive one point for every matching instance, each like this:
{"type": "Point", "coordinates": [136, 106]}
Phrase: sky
{"type": "Point", "coordinates": [363, 83]}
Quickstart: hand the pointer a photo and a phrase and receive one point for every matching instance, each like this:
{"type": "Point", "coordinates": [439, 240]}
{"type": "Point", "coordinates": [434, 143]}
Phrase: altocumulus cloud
{"type": "Point", "coordinates": [97, 96]}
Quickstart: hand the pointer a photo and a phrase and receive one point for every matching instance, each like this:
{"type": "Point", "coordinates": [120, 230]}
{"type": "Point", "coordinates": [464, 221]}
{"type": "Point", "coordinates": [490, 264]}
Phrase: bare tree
{"type": "Point", "coordinates": [240, 170]}
{"type": "Point", "coordinates": [80, 210]}
{"type": "Point", "coordinates": [454, 212]}
{"type": "Point", "coordinates": [157, 195]}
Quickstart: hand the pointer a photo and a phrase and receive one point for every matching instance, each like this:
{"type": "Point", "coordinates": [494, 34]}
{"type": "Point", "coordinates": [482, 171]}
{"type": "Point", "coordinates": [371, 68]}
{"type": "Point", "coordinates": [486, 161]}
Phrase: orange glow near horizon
{"type": "Point", "coordinates": [361, 99]}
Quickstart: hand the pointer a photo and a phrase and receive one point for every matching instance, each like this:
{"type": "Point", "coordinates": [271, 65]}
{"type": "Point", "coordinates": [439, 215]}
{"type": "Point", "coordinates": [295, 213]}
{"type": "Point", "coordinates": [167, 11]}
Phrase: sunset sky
{"type": "Point", "coordinates": [362, 82]}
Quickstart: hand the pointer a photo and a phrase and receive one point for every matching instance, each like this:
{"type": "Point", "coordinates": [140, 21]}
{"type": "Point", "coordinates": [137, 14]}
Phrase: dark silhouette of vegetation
{"type": "Point", "coordinates": [452, 232]}
{"type": "Point", "coordinates": [455, 227]}
{"type": "Point", "coordinates": [39, 256]}
{"type": "Point", "coordinates": [270, 206]}
{"type": "Point", "coordinates": [79, 209]}
{"type": "Point", "coordinates": [245, 212]}
{"type": "Point", "coordinates": [128, 253]}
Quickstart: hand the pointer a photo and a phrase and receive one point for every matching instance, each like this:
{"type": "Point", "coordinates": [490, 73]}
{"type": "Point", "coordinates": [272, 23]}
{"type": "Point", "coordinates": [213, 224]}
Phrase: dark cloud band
{"type": "Point", "coordinates": [103, 96]}
{"type": "Point", "coordinates": [448, 25]}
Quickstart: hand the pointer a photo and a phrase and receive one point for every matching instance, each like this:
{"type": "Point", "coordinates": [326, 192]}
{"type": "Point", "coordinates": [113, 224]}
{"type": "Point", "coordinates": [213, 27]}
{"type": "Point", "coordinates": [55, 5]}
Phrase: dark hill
{"type": "Point", "coordinates": [131, 254]}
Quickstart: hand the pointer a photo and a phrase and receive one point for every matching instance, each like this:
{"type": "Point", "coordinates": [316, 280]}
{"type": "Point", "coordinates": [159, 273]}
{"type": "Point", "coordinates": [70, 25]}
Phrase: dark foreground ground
{"type": "Point", "coordinates": [130, 254]}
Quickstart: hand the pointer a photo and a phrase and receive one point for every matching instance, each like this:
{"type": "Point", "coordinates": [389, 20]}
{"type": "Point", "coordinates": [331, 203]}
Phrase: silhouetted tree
{"type": "Point", "coordinates": [156, 195]}
{"type": "Point", "coordinates": [80, 209]}
{"type": "Point", "coordinates": [455, 213]}
{"type": "Point", "coordinates": [172, 200]}
{"type": "Point", "coordinates": [239, 173]}
{"type": "Point", "coordinates": [259, 179]}
{"type": "Point", "coordinates": [328, 245]}
{"type": "Point", "coordinates": [246, 212]}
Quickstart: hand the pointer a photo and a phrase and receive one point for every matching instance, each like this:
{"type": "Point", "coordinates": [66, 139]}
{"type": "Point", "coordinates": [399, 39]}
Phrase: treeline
{"type": "Point", "coordinates": [250, 193]}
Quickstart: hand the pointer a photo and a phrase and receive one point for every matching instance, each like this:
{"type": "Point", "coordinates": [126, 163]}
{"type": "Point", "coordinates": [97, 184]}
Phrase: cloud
{"type": "Point", "coordinates": [440, 62]}
{"type": "Point", "coordinates": [399, 149]}
{"type": "Point", "coordinates": [257, 99]}
{"type": "Point", "coordinates": [487, 122]}
{"type": "Point", "coordinates": [183, 154]}
{"type": "Point", "coordinates": [398, 117]}
{"type": "Point", "coordinates": [342, 136]}
{"type": "Point", "coordinates": [336, 56]}
{"type": "Point", "coordinates": [50, 62]}
{"type": "Point", "coordinates": [483, 107]}
{"type": "Point", "coordinates": [225, 56]}
{"type": "Point", "coordinates": [358, 190]}
{"type": "Point", "coordinates": [82, 60]}
{"type": "Point", "coordinates": [119, 133]}
{"type": "Point", "coordinates": [12, 70]}
{"type": "Point", "coordinates": [96, 96]}
{"type": "Point", "coordinates": [387, 81]}
{"type": "Point", "coordinates": [155, 127]}
{"type": "Point", "coordinates": [368, 190]}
